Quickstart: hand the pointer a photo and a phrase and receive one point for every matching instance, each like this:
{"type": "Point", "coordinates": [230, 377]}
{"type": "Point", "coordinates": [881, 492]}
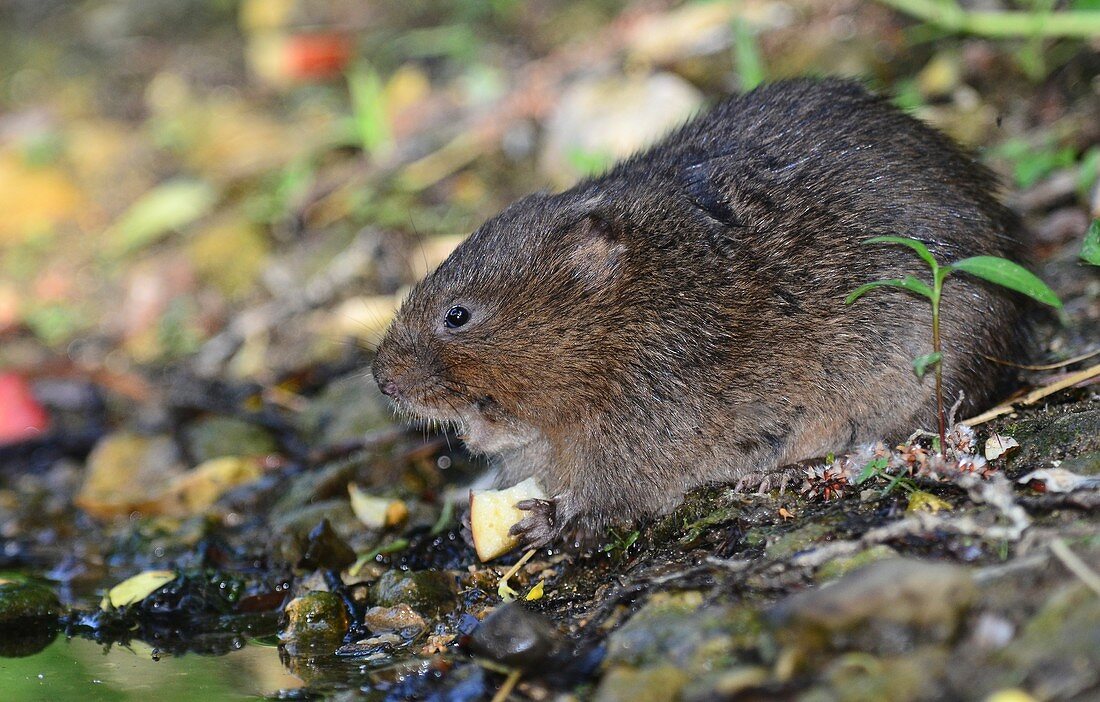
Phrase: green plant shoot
{"type": "Point", "coordinates": [368, 103]}
{"type": "Point", "coordinates": [1090, 250]}
{"type": "Point", "coordinates": [993, 269]}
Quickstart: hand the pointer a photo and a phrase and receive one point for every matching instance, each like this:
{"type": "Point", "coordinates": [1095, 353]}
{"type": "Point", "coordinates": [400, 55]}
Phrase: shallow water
{"type": "Point", "coordinates": [78, 669]}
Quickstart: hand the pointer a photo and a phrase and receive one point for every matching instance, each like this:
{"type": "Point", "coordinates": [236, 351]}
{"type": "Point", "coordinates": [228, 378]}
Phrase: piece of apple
{"type": "Point", "coordinates": [493, 513]}
{"type": "Point", "coordinates": [376, 512]}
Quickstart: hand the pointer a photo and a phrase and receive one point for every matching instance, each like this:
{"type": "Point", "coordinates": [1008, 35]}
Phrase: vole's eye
{"type": "Point", "coordinates": [457, 316]}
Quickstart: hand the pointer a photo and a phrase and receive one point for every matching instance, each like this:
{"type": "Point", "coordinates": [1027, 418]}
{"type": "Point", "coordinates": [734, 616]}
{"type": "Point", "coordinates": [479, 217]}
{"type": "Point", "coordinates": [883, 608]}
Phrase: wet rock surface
{"type": "Point", "coordinates": [315, 620]}
{"type": "Point", "coordinates": [516, 637]}
{"type": "Point", "coordinates": [425, 590]}
{"type": "Point", "coordinates": [27, 604]}
{"type": "Point", "coordinates": [885, 607]}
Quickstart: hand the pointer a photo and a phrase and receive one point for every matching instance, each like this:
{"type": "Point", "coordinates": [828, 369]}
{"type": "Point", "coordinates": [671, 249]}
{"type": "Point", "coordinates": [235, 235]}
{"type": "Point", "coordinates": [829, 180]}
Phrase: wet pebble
{"type": "Point", "coordinates": [515, 636]}
{"type": "Point", "coordinates": [653, 684]}
{"type": "Point", "coordinates": [839, 567]}
{"type": "Point", "coordinates": [315, 620]}
{"type": "Point", "coordinates": [325, 549]}
{"type": "Point", "coordinates": [400, 617]}
{"type": "Point", "coordinates": [214, 437]}
{"type": "Point", "coordinates": [26, 602]}
{"type": "Point", "coordinates": [1058, 649]}
{"type": "Point", "coordinates": [428, 591]}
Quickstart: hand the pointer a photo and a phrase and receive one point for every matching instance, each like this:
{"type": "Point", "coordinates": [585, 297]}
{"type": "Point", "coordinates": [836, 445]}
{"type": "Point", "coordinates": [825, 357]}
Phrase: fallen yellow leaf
{"type": "Point", "coordinates": [921, 501]}
{"type": "Point", "coordinates": [536, 592]}
{"type": "Point", "coordinates": [376, 512]}
{"type": "Point", "coordinates": [137, 588]}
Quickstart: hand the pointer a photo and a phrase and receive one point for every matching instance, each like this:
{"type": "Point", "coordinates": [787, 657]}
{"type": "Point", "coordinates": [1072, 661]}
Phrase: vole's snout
{"type": "Point", "coordinates": [386, 383]}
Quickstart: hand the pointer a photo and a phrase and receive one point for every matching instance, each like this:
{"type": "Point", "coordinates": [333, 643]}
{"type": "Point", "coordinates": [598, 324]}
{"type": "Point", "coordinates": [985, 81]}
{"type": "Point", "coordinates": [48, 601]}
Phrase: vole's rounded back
{"type": "Point", "coordinates": [681, 318]}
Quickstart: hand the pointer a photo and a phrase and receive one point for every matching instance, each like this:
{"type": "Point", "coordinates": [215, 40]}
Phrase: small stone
{"type": "Point", "coordinates": [346, 410]}
{"type": "Point", "coordinates": [215, 437]}
{"type": "Point", "coordinates": [289, 529]}
{"type": "Point", "coordinates": [515, 636]}
{"type": "Point", "coordinates": [400, 617]}
{"type": "Point", "coordinates": [655, 684]}
{"type": "Point", "coordinates": [992, 632]}
{"type": "Point", "coordinates": [792, 542]}
{"type": "Point", "coordinates": [839, 567]}
{"type": "Point", "coordinates": [904, 678]}
{"type": "Point", "coordinates": [26, 602]}
{"type": "Point", "coordinates": [726, 684]}
{"type": "Point", "coordinates": [128, 473]}
{"type": "Point", "coordinates": [427, 591]}
{"type": "Point", "coordinates": [1085, 464]}
{"type": "Point", "coordinates": [1070, 435]}
{"type": "Point", "coordinates": [668, 628]}
{"type": "Point", "coordinates": [1058, 650]}
{"type": "Point", "coordinates": [882, 607]}
{"type": "Point", "coordinates": [315, 620]}
{"type": "Point", "coordinates": [325, 549]}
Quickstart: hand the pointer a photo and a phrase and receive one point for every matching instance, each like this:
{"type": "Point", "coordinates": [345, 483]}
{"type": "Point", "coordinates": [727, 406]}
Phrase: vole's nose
{"type": "Point", "coordinates": [385, 383]}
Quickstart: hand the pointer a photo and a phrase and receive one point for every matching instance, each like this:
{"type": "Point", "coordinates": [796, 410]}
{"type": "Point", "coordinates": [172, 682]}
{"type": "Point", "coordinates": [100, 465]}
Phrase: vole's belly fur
{"type": "Point", "coordinates": [707, 336]}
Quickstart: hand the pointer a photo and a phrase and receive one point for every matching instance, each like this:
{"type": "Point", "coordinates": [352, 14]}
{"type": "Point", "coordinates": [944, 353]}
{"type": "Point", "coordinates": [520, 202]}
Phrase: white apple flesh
{"type": "Point", "coordinates": [493, 513]}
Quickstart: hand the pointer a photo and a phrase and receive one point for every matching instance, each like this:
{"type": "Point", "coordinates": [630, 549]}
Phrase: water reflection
{"type": "Point", "coordinates": [81, 669]}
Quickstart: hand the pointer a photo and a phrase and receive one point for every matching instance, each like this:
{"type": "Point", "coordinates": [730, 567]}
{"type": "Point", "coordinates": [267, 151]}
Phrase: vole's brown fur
{"type": "Point", "coordinates": [681, 319]}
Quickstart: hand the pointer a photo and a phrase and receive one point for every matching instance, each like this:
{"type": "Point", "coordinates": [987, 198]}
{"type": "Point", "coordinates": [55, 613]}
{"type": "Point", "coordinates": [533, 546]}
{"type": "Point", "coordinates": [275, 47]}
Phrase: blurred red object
{"type": "Point", "coordinates": [317, 56]}
{"type": "Point", "coordinates": [21, 416]}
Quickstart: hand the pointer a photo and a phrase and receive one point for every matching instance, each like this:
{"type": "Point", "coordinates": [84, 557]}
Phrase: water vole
{"type": "Point", "coordinates": [680, 319]}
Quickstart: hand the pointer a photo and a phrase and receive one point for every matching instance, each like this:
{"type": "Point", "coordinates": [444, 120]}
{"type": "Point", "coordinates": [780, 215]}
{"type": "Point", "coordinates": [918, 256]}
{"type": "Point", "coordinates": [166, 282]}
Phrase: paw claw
{"type": "Point", "coordinates": [763, 481]}
{"type": "Point", "coordinates": [540, 526]}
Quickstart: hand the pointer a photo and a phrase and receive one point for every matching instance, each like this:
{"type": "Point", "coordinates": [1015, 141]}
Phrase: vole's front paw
{"type": "Point", "coordinates": [762, 481]}
{"type": "Point", "coordinates": [540, 526]}
{"type": "Point", "coordinates": [466, 531]}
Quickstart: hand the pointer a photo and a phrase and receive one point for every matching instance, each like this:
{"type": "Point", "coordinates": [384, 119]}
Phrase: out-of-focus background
{"type": "Point", "coordinates": [209, 210]}
{"type": "Point", "coordinates": [165, 165]}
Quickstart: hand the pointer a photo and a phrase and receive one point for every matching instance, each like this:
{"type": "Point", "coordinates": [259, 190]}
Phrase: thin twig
{"type": "Point", "coordinates": [1043, 366]}
{"type": "Point", "coordinates": [1036, 395]}
{"type": "Point", "coordinates": [1075, 565]}
{"type": "Point", "coordinates": [507, 593]}
{"type": "Point", "coordinates": [506, 688]}
{"type": "Point", "coordinates": [995, 492]}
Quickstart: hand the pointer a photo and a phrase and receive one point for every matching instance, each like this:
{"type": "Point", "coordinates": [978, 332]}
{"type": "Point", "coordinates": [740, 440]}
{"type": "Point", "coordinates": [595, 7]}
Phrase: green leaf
{"type": "Point", "coordinates": [368, 103]}
{"type": "Point", "coordinates": [1090, 250]}
{"type": "Point", "coordinates": [873, 467]}
{"type": "Point", "coordinates": [746, 55]}
{"type": "Point", "coordinates": [589, 162]}
{"type": "Point", "coordinates": [917, 246]}
{"type": "Point", "coordinates": [899, 480]}
{"type": "Point", "coordinates": [921, 364]}
{"type": "Point", "coordinates": [1088, 170]}
{"type": "Point", "coordinates": [168, 207]}
{"type": "Point", "coordinates": [910, 283]}
{"type": "Point", "coordinates": [1010, 275]}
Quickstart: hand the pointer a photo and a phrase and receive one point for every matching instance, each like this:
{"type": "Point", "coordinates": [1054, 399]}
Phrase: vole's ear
{"type": "Point", "coordinates": [597, 253]}
{"type": "Point", "coordinates": [707, 185]}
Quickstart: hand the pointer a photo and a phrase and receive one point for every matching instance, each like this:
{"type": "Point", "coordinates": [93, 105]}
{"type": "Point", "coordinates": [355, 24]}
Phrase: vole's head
{"type": "Point", "coordinates": [514, 324]}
